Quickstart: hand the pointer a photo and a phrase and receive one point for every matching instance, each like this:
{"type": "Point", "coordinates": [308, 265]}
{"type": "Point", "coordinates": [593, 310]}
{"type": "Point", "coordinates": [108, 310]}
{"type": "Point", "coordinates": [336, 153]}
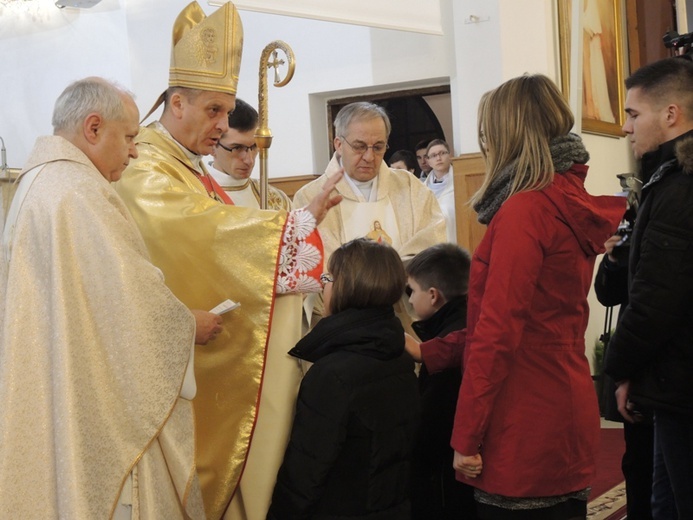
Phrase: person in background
{"type": "Point", "coordinates": [420, 151]}
{"type": "Point", "coordinates": [527, 422]}
{"type": "Point", "coordinates": [234, 159]}
{"type": "Point", "coordinates": [404, 209]}
{"type": "Point", "coordinates": [441, 182]}
{"type": "Point", "coordinates": [637, 464]}
{"type": "Point", "coordinates": [438, 280]}
{"type": "Point", "coordinates": [357, 413]}
{"type": "Point", "coordinates": [650, 356]}
{"type": "Point", "coordinates": [404, 160]}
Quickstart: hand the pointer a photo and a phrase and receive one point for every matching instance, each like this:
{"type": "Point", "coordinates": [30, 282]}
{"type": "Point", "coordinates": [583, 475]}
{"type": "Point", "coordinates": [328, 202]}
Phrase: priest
{"type": "Point", "coordinates": [380, 203]}
{"type": "Point", "coordinates": [211, 250]}
{"type": "Point", "coordinates": [96, 420]}
{"type": "Point", "coordinates": [377, 199]}
{"type": "Point", "coordinates": [234, 158]}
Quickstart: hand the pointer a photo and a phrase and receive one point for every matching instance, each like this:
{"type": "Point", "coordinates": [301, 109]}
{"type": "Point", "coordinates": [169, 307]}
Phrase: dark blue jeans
{"type": "Point", "coordinates": [673, 462]}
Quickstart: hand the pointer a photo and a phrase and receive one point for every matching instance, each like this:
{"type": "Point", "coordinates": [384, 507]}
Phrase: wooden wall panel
{"type": "Point", "coordinates": [468, 171]}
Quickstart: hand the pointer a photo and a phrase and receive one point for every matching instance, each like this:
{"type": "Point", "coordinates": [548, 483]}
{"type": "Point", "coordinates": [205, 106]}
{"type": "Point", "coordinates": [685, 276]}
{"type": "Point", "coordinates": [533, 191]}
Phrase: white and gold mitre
{"type": "Point", "coordinates": [206, 50]}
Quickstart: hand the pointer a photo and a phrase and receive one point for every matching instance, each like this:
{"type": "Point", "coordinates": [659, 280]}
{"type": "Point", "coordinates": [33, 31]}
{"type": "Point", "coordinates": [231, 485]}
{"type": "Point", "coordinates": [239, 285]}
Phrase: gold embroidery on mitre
{"type": "Point", "coordinates": [206, 52]}
{"type": "Point", "coordinates": [208, 48]}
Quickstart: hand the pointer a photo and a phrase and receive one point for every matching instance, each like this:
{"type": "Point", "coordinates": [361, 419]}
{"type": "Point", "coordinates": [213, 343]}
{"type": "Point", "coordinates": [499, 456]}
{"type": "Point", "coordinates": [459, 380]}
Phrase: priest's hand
{"type": "Point", "coordinates": [207, 326]}
{"type": "Point", "coordinates": [324, 200]}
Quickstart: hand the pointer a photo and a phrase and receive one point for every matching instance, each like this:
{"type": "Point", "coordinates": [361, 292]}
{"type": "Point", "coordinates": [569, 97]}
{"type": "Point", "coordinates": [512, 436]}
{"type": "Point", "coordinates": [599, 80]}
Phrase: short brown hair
{"type": "Point", "coordinates": [366, 274]}
{"type": "Point", "coordinates": [443, 266]}
{"type": "Point", "coordinates": [667, 81]}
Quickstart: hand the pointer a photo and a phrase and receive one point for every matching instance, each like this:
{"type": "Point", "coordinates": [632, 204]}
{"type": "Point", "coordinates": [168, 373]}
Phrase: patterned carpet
{"type": "Point", "coordinates": [609, 506]}
{"type": "Point", "coordinates": [609, 490]}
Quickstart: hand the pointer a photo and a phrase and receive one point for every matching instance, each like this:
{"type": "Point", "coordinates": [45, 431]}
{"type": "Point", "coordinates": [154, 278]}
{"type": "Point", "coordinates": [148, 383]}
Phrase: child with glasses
{"type": "Point", "coordinates": [358, 405]}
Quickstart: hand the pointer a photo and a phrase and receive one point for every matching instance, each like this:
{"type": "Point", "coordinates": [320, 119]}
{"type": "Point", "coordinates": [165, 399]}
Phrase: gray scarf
{"type": "Point", "coordinates": [565, 150]}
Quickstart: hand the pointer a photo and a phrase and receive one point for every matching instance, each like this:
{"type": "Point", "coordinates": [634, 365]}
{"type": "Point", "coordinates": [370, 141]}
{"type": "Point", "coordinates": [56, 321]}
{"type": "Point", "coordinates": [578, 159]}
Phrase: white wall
{"type": "Point", "coordinates": [42, 49]}
{"type": "Point", "coordinates": [129, 41]}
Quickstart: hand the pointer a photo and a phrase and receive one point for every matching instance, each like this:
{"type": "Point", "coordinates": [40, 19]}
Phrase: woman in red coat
{"type": "Point", "coordinates": [527, 422]}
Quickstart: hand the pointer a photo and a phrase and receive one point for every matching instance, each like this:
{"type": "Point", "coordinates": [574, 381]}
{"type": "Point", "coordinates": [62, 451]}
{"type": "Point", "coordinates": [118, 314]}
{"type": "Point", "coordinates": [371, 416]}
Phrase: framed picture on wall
{"type": "Point", "coordinates": [603, 64]}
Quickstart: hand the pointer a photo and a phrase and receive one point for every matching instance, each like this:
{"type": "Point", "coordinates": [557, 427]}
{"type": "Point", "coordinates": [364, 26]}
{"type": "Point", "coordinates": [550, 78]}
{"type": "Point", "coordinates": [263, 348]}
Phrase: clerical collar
{"type": "Point", "coordinates": [194, 158]}
{"type": "Point", "coordinates": [228, 182]}
{"type": "Point", "coordinates": [367, 190]}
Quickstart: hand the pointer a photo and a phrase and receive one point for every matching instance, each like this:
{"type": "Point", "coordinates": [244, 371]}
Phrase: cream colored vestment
{"type": "Point", "coordinates": [93, 349]}
{"type": "Point", "coordinates": [419, 219]}
{"type": "Point", "coordinates": [400, 196]}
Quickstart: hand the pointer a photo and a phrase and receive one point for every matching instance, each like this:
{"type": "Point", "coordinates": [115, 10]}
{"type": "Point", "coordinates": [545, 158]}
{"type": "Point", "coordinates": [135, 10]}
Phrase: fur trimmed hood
{"type": "Point", "coordinates": [684, 154]}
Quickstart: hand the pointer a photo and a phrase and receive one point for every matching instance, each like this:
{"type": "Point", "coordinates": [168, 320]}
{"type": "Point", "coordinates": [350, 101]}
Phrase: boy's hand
{"type": "Point", "coordinates": [412, 346]}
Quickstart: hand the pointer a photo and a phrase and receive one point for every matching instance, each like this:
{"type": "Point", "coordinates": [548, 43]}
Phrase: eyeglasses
{"type": "Point", "coordinates": [239, 149]}
{"type": "Point", "coordinates": [439, 154]}
{"type": "Point", "coordinates": [361, 148]}
{"type": "Point", "coordinates": [326, 278]}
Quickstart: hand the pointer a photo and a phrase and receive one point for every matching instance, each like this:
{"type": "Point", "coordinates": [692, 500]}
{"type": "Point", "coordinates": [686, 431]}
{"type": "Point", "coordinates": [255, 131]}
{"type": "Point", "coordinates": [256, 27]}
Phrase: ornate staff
{"type": "Point", "coordinates": [263, 136]}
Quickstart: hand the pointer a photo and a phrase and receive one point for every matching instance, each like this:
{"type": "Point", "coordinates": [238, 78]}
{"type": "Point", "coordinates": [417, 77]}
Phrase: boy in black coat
{"type": "Point", "coordinates": [438, 280]}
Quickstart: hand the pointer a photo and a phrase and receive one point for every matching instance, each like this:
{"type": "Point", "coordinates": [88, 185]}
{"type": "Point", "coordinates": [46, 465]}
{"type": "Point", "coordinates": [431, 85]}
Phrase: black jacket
{"type": "Point", "coordinates": [356, 418]}
{"type": "Point", "coordinates": [436, 493]}
{"type": "Point", "coordinates": [439, 391]}
{"type": "Point", "coordinates": [611, 287]}
{"type": "Point", "coordinates": [653, 343]}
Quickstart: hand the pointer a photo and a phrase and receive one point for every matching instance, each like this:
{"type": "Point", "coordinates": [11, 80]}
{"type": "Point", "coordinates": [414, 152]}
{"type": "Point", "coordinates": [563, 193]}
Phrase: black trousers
{"type": "Point", "coordinates": [572, 509]}
{"type": "Point", "coordinates": [637, 468]}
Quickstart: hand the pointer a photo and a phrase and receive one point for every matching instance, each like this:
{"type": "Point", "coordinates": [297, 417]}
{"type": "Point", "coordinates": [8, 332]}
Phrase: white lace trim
{"type": "Point", "coordinates": [297, 257]}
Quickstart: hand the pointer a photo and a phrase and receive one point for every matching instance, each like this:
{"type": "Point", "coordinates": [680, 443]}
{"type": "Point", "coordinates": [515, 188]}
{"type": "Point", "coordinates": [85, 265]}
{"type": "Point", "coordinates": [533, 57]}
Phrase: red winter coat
{"type": "Point", "coordinates": [527, 396]}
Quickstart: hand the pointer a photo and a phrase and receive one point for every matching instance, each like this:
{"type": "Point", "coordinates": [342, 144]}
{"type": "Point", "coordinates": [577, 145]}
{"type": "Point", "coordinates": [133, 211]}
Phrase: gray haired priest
{"type": "Point", "coordinates": [96, 417]}
{"type": "Point", "coordinates": [211, 251]}
{"type": "Point", "coordinates": [380, 203]}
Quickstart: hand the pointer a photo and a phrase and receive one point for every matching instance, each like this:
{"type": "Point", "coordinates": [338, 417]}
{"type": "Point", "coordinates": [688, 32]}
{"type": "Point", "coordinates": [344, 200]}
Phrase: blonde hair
{"type": "Point", "coordinates": [516, 122]}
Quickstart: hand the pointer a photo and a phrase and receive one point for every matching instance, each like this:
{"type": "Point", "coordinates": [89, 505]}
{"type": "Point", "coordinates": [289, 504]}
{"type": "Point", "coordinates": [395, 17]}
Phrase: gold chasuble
{"type": "Point", "coordinates": [208, 252]}
{"type": "Point", "coordinates": [93, 352]}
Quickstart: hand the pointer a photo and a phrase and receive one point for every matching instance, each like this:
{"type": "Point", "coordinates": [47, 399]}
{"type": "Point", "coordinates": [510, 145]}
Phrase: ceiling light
{"type": "Point", "coordinates": [77, 4]}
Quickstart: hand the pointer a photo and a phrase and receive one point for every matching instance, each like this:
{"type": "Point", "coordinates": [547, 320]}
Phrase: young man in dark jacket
{"type": "Point", "coordinates": [651, 354]}
{"type": "Point", "coordinates": [611, 287]}
{"type": "Point", "coordinates": [438, 280]}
